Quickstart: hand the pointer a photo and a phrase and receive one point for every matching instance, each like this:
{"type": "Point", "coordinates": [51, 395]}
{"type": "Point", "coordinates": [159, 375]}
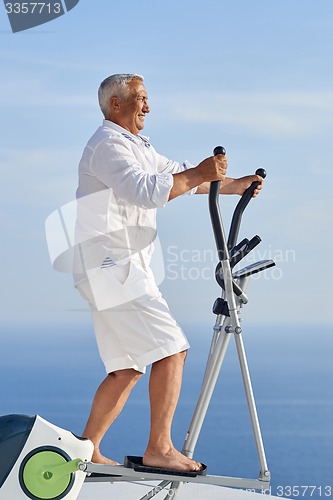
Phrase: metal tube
{"type": "Point", "coordinates": [216, 356]}
{"type": "Point", "coordinates": [210, 379]}
{"type": "Point", "coordinates": [156, 490]}
{"type": "Point", "coordinates": [252, 406]}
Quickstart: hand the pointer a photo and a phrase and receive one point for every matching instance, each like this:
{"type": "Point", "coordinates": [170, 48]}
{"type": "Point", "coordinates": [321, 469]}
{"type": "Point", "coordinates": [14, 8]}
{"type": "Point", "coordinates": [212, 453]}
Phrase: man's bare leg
{"type": "Point", "coordinates": [164, 387]}
{"type": "Point", "coordinates": [108, 402]}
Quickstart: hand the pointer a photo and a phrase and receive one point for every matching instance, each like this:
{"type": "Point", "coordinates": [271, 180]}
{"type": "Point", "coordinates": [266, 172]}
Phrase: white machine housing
{"type": "Point", "coordinates": [45, 435]}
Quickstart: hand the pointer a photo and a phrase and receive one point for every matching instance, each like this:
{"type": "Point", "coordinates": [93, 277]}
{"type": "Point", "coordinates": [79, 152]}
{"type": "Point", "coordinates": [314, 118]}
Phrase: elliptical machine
{"type": "Point", "coordinates": [40, 461]}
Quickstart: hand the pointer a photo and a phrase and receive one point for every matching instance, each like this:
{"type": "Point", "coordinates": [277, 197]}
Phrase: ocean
{"type": "Point", "coordinates": [54, 370]}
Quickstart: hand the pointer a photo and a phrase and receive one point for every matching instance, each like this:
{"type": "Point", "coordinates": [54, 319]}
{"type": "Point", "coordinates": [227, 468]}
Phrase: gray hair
{"type": "Point", "coordinates": [115, 86]}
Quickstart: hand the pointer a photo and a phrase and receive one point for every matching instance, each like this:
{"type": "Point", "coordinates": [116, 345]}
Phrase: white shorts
{"type": "Point", "coordinates": [136, 333]}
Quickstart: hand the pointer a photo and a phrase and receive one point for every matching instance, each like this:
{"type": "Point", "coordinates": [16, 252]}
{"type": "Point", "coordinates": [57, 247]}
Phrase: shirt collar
{"type": "Point", "coordinates": [137, 139]}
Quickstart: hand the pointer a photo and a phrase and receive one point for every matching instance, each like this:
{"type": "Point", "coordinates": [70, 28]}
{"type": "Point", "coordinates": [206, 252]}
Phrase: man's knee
{"type": "Point", "coordinates": [179, 357]}
{"type": "Point", "coordinates": [182, 355]}
{"type": "Point", "coordinates": [127, 377]}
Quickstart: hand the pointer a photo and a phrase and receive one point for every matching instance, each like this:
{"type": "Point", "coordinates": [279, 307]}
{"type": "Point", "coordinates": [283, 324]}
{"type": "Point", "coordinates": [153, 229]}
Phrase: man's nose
{"type": "Point", "coordinates": [146, 108]}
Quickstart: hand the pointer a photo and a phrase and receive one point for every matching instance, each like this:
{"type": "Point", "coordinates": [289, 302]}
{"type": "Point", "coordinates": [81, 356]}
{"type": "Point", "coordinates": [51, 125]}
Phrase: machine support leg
{"type": "Point", "coordinates": [218, 350]}
{"type": "Point", "coordinates": [264, 472]}
{"type": "Point", "coordinates": [208, 386]}
{"type": "Point", "coordinates": [156, 490]}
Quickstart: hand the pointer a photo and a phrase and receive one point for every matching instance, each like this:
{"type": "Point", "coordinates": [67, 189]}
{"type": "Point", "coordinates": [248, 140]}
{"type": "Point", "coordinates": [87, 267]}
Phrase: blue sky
{"type": "Point", "coordinates": [253, 76]}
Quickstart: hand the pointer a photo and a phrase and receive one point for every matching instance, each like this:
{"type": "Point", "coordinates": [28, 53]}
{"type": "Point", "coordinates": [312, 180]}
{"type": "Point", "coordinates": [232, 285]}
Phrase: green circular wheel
{"type": "Point", "coordinates": [45, 474]}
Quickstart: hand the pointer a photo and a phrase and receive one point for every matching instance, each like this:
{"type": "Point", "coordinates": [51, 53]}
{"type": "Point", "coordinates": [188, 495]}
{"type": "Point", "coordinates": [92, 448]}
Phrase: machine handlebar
{"type": "Point", "coordinates": [221, 244]}
{"type": "Point", "coordinates": [240, 207]}
{"type": "Point", "coordinates": [215, 214]}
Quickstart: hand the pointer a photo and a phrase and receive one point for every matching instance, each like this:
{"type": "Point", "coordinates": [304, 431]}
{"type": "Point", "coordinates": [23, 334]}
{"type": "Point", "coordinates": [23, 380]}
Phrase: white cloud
{"type": "Point", "coordinates": [66, 64]}
{"type": "Point", "coordinates": [39, 92]}
{"type": "Point", "coordinates": [39, 177]}
{"type": "Point", "coordinates": [282, 113]}
{"type": "Point", "coordinates": [307, 225]}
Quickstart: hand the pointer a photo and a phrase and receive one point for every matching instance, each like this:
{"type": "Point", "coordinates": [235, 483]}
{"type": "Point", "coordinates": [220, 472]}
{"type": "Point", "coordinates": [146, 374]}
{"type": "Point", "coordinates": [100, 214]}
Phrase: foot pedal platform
{"type": "Point", "coordinates": [136, 464]}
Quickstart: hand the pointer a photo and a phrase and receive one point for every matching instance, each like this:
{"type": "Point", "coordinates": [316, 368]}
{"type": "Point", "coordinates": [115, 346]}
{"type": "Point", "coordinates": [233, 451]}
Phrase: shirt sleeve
{"type": "Point", "coordinates": [114, 164]}
{"type": "Point", "coordinates": [173, 167]}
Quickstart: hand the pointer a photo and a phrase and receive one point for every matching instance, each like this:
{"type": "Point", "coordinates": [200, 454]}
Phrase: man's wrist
{"type": "Point", "coordinates": [200, 175]}
{"type": "Point", "coordinates": [228, 186]}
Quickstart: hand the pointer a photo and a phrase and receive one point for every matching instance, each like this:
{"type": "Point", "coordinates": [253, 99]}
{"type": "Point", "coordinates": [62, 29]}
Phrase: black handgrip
{"type": "Point", "coordinates": [219, 150]}
{"type": "Point", "coordinates": [261, 172]}
{"type": "Point", "coordinates": [241, 206]}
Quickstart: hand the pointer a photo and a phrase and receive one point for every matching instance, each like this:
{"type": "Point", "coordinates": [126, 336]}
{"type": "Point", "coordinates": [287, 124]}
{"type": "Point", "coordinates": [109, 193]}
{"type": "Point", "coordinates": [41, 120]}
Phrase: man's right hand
{"type": "Point", "coordinates": [213, 168]}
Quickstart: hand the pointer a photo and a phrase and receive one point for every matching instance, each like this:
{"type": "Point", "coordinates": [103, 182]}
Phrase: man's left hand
{"type": "Point", "coordinates": [240, 185]}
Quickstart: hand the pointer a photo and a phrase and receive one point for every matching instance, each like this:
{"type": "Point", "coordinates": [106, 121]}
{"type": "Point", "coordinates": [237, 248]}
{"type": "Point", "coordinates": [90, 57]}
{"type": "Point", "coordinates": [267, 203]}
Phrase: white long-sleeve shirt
{"type": "Point", "coordinates": [122, 182]}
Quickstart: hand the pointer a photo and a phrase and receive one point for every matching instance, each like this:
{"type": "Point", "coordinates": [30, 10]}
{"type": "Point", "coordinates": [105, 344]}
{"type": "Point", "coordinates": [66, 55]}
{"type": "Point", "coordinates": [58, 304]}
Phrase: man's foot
{"type": "Point", "coordinates": [171, 459]}
{"type": "Point", "coordinates": [98, 458]}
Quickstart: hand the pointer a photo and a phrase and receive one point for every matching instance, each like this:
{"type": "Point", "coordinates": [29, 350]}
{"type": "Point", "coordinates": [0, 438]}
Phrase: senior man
{"type": "Point", "coordinates": [122, 181]}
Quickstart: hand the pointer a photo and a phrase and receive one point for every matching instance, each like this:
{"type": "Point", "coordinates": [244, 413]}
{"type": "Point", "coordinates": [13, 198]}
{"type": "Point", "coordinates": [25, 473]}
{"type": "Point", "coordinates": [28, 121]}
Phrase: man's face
{"type": "Point", "coordinates": [132, 110]}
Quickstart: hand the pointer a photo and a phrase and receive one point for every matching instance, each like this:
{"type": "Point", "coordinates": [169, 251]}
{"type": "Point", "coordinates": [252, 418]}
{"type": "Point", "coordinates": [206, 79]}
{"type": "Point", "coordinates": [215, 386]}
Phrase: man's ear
{"type": "Point", "coordinates": [115, 104]}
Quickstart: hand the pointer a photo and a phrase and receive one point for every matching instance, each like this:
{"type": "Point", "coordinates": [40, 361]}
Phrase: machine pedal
{"type": "Point", "coordinates": [135, 463]}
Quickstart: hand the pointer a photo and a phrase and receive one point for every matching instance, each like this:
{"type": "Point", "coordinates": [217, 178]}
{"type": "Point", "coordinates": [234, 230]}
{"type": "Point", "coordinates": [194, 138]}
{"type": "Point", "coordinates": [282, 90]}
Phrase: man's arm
{"type": "Point", "coordinates": [233, 186]}
{"type": "Point", "coordinates": [213, 168]}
